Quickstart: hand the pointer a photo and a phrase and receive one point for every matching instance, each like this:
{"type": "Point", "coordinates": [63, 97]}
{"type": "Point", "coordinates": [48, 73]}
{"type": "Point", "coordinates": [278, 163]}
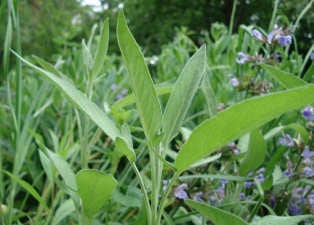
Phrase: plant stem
{"type": "Point", "coordinates": [272, 21]}
{"type": "Point", "coordinates": [144, 189]}
{"type": "Point", "coordinates": [234, 7]}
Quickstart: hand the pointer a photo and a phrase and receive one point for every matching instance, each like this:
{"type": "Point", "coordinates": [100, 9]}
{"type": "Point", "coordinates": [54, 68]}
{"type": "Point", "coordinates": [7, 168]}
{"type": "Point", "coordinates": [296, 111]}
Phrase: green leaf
{"type": "Point", "coordinates": [286, 79]}
{"type": "Point", "coordinates": [28, 188]}
{"type": "Point", "coordinates": [80, 100]}
{"type": "Point", "coordinates": [210, 97]}
{"type": "Point", "coordinates": [125, 149]}
{"type": "Point", "coordinates": [65, 209]}
{"type": "Point", "coordinates": [101, 49]}
{"type": "Point", "coordinates": [142, 85]}
{"type": "Point", "coordinates": [64, 169]}
{"type": "Point", "coordinates": [217, 216]}
{"type": "Point", "coordinates": [94, 188]}
{"type": "Point", "coordinates": [182, 94]}
{"type": "Point", "coordinates": [256, 153]}
{"type": "Point", "coordinates": [239, 119]}
{"type": "Point", "coordinates": [281, 220]}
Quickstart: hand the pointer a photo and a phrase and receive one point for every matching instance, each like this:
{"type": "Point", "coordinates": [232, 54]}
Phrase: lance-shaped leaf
{"type": "Point", "coordinates": [99, 117]}
{"type": "Point", "coordinates": [94, 188]}
{"type": "Point", "coordinates": [286, 79]}
{"type": "Point", "coordinates": [182, 93]}
{"type": "Point", "coordinates": [281, 220]}
{"type": "Point", "coordinates": [142, 85]}
{"type": "Point", "coordinates": [102, 49]}
{"type": "Point", "coordinates": [238, 120]}
{"type": "Point", "coordinates": [217, 216]}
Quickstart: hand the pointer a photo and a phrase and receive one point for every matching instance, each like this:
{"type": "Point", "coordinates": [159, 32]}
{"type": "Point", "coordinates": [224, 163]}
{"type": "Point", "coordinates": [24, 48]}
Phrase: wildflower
{"type": "Point", "coordinates": [180, 192]}
{"type": "Point", "coordinates": [243, 58]}
{"type": "Point", "coordinates": [114, 86]}
{"type": "Point", "coordinates": [308, 171]}
{"type": "Point", "coordinates": [236, 151]}
{"type": "Point", "coordinates": [286, 140]}
{"type": "Point", "coordinates": [273, 34]}
{"type": "Point", "coordinates": [212, 199]}
{"type": "Point", "coordinates": [220, 191]}
{"type": "Point", "coordinates": [294, 210]}
{"type": "Point", "coordinates": [122, 93]}
{"type": "Point", "coordinates": [234, 82]}
{"type": "Point", "coordinates": [260, 177]}
{"type": "Point", "coordinates": [312, 55]}
{"type": "Point", "coordinates": [198, 196]}
{"type": "Point", "coordinates": [307, 154]}
{"type": "Point", "coordinates": [242, 196]}
{"type": "Point", "coordinates": [308, 113]}
{"type": "Point", "coordinates": [248, 184]}
{"type": "Point", "coordinates": [261, 170]}
{"type": "Point", "coordinates": [258, 35]}
{"type": "Point", "coordinates": [310, 198]}
{"type": "Point", "coordinates": [284, 40]}
{"type": "Point", "coordinates": [223, 182]}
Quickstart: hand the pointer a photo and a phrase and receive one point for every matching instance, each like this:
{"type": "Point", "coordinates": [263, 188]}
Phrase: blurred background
{"type": "Point", "coordinates": [49, 27]}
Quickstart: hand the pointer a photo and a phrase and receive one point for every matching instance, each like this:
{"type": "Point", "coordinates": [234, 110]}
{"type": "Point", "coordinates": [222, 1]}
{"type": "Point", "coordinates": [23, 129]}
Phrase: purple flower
{"type": "Point", "coordinates": [242, 58]}
{"type": "Point", "coordinates": [212, 199]}
{"type": "Point", "coordinates": [236, 151]}
{"type": "Point", "coordinates": [287, 173]}
{"type": "Point", "coordinates": [242, 196]}
{"type": "Point", "coordinates": [308, 113]}
{"type": "Point", "coordinates": [284, 40]}
{"type": "Point", "coordinates": [220, 192]}
{"type": "Point", "coordinates": [294, 210]}
{"type": "Point", "coordinates": [310, 199]}
{"type": "Point", "coordinates": [258, 35]}
{"type": "Point", "coordinates": [260, 177]}
{"type": "Point", "coordinates": [307, 154]}
{"type": "Point", "coordinates": [223, 182]}
{"type": "Point", "coordinates": [261, 170]}
{"type": "Point", "coordinates": [312, 55]}
{"type": "Point", "coordinates": [198, 196]}
{"type": "Point", "coordinates": [286, 140]}
{"type": "Point", "coordinates": [122, 93]}
{"type": "Point", "coordinates": [308, 171]}
{"type": "Point", "coordinates": [248, 184]}
{"type": "Point", "coordinates": [234, 82]}
{"type": "Point", "coordinates": [114, 86]}
{"type": "Point", "coordinates": [273, 34]}
{"type": "Point", "coordinates": [180, 192]}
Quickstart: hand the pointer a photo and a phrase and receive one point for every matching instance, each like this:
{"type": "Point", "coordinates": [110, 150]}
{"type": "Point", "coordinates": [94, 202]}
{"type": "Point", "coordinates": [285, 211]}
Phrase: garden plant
{"type": "Point", "coordinates": [218, 134]}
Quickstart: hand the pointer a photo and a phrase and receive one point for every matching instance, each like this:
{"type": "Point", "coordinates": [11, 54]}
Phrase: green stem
{"type": "Point", "coordinates": [165, 195]}
{"type": "Point", "coordinates": [272, 21]}
{"type": "Point", "coordinates": [144, 189]}
{"type": "Point", "coordinates": [234, 7]}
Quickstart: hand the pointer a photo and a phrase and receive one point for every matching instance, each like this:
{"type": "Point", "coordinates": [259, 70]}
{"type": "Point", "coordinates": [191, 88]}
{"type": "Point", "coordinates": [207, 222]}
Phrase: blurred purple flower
{"type": "Point", "coordinates": [308, 171]}
{"type": "Point", "coordinates": [234, 82]}
{"type": "Point", "coordinates": [294, 210]}
{"type": "Point", "coordinates": [198, 196]}
{"type": "Point", "coordinates": [212, 199]}
{"type": "Point", "coordinates": [220, 191]}
{"type": "Point", "coordinates": [248, 184]}
{"type": "Point", "coordinates": [114, 86]}
{"type": "Point", "coordinates": [122, 93]}
{"type": "Point", "coordinates": [242, 58]}
{"type": "Point", "coordinates": [308, 113]}
{"type": "Point", "coordinates": [261, 170]}
{"type": "Point", "coordinates": [286, 140]}
{"type": "Point", "coordinates": [258, 35]}
{"type": "Point", "coordinates": [312, 55]}
{"type": "Point", "coordinates": [310, 199]}
{"type": "Point", "coordinates": [307, 154]}
{"type": "Point", "coordinates": [236, 151]}
{"type": "Point", "coordinates": [272, 201]}
{"type": "Point", "coordinates": [180, 192]}
{"type": "Point", "coordinates": [260, 177]}
{"type": "Point", "coordinates": [223, 182]}
{"type": "Point", "coordinates": [242, 196]}
{"type": "Point", "coordinates": [284, 40]}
